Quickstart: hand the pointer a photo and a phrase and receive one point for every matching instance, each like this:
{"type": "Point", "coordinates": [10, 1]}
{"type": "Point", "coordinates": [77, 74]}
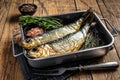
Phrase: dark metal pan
{"type": "Point", "coordinates": [73, 56]}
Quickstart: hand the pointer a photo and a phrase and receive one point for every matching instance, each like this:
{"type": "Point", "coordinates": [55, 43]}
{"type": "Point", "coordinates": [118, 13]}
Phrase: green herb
{"type": "Point", "coordinates": [47, 23]}
{"type": "Point", "coordinates": [92, 40]}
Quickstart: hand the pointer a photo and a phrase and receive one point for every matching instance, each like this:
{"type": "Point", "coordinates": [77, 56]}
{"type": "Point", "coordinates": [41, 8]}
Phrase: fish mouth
{"type": "Point", "coordinates": [29, 40]}
{"type": "Point", "coordinates": [27, 43]}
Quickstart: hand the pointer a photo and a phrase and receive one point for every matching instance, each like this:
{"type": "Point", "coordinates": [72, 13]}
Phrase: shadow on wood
{"type": "Point", "coordinates": [14, 18]}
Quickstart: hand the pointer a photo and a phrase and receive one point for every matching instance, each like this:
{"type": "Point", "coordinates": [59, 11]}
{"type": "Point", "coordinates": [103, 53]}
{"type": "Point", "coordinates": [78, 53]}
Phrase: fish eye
{"type": "Point", "coordinates": [34, 49]}
{"type": "Point", "coordinates": [28, 40]}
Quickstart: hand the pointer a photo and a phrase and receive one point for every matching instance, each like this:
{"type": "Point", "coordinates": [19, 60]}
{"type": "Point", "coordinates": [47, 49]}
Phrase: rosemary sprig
{"type": "Point", "coordinates": [92, 40]}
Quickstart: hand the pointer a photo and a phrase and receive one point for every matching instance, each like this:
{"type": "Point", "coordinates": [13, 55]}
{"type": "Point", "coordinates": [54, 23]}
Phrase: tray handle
{"type": "Point", "coordinates": [114, 30]}
{"type": "Point", "coordinates": [16, 51]}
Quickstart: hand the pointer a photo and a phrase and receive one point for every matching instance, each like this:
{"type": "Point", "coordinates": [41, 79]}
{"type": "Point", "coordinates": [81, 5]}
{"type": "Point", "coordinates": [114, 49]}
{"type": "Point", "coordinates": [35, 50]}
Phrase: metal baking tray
{"type": "Point", "coordinates": [73, 56]}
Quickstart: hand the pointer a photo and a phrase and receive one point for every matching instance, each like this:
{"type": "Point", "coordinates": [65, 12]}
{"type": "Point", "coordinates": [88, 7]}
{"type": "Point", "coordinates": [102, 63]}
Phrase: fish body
{"type": "Point", "coordinates": [31, 43]}
{"type": "Point", "coordinates": [71, 43]}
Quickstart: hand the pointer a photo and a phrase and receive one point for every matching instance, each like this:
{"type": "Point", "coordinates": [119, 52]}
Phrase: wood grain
{"type": "Point", "coordinates": [9, 15]}
{"type": "Point", "coordinates": [84, 5]}
{"type": "Point", "coordinates": [54, 7]}
{"type": "Point", "coordinates": [8, 61]}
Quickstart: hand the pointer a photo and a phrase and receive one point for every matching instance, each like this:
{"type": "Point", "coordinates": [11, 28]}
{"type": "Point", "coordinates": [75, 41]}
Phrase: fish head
{"type": "Point", "coordinates": [28, 43]}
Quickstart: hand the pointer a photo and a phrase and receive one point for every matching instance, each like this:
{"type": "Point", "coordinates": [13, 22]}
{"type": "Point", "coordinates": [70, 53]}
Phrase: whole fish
{"type": "Point", "coordinates": [55, 34]}
{"type": "Point", "coordinates": [71, 43]}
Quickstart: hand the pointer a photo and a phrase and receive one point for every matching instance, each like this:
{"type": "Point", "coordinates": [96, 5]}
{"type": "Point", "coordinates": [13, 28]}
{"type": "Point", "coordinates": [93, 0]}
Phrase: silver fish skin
{"type": "Point", "coordinates": [31, 43]}
{"type": "Point", "coordinates": [52, 35]}
{"type": "Point", "coordinates": [71, 43]}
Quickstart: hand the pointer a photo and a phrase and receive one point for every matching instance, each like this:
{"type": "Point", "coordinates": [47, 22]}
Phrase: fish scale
{"type": "Point", "coordinates": [51, 35]}
{"type": "Point", "coordinates": [70, 43]}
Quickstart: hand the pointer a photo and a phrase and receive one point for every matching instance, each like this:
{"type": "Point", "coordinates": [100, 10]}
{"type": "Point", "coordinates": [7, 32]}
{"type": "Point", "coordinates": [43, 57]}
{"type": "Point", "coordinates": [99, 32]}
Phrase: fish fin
{"type": "Point", "coordinates": [87, 14]}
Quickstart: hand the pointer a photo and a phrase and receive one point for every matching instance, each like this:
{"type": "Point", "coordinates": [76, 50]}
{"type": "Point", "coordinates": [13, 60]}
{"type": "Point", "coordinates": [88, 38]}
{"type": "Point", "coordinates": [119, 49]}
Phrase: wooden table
{"type": "Point", "coordinates": [9, 66]}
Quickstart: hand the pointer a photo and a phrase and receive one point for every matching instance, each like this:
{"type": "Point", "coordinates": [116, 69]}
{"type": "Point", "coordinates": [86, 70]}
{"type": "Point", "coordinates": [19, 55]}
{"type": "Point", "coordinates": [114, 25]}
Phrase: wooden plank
{"type": "Point", "coordinates": [9, 65]}
{"type": "Point", "coordinates": [3, 13]}
{"type": "Point", "coordinates": [108, 74]}
{"type": "Point", "coordinates": [30, 1]}
{"type": "Point", "coordinates": [50, 7]}
{"type": "Point", "coordinates": [9, 68]}
{"type": "Point", "coordinates": [3, 16]}
{"type": "Point", "coordinates": [5, 51]}
{"type": "Point", "coordinates": [86, 4]}
{"type": "Point", "coordinates": [20, 1]}
{"type": "Point", "coordinates": [112, 16]}
{"type": "Point", "coordinates": [107, 7]}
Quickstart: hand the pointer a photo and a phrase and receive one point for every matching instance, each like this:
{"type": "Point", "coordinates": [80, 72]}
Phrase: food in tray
{"type": "Point", "coordinates": [97, 43]}
{"type": "Point", "coordinates": [68, 38]}
{"type": "Point", "coordinates": [34, 31]}
{"type": "Point", "coordinates": [56, 34]}
{"type": "Point", "coordinates": [70, 43]}
{"type": "Point", "coordinates": [48, 23]}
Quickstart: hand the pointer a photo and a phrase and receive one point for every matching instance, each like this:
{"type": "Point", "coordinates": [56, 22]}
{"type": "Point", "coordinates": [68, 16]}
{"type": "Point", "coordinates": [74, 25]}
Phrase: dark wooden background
{"type": "Point", "coordinates": [9, 67]}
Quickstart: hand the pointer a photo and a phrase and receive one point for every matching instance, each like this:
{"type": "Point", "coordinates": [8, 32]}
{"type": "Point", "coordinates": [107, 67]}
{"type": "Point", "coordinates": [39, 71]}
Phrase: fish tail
{"type": "Point", "coordinates": [86, 14]}
{"type": "Point", "coordinates": [89, 20]}
{"type": "Point", "coordinates": [84, 17]}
